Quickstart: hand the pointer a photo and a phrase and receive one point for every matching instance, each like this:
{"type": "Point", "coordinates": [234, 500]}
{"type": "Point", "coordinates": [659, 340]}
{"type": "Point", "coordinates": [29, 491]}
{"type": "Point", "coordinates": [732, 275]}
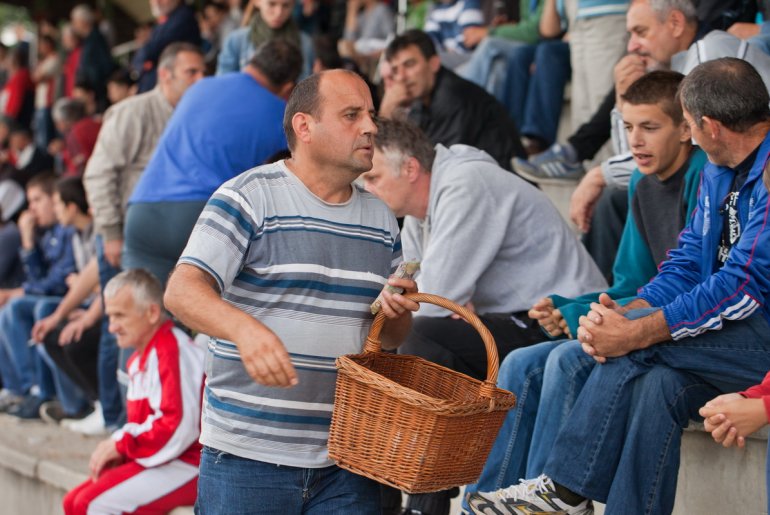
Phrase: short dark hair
{"type": "Point", "coordinates": [168, 57]}
{"type": "Point", "coordinates": [325, 50]}
{"type": "Point", "coordinates": [71, 191]}
{"type": "Point", "coordinates": [658, 87]}
{"type": "Point", "coordinates": [728, 90]}
{"type": "Point", "coordinates": [122, 76]}
{"type": "Point", "coordinates": [405, 138]}
{"type": "Point", "coordinates": [411, 37]}
{"type": "Point", "coordinates": [48, 39]}
{"type": "Point", "coordinates": [304, 98]}
{"type": "Point", "coordinates": [68, 110]}
{"type": "Point", "coordinates": [46, 181]}
{"type": "Point", "coordinates": [280, 61]}
{"type": "Point", "coordinates": [20, 129]}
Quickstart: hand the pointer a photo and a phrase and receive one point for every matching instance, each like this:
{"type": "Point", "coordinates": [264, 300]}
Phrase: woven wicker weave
{"type": "Point", "coordinates": [412, 424]}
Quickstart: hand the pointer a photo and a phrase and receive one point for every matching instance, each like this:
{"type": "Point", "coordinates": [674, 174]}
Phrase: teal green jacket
{"type": "Point", "coordinates": [526, 30]}
{"type": "Point", "coordinates": [634, 266]}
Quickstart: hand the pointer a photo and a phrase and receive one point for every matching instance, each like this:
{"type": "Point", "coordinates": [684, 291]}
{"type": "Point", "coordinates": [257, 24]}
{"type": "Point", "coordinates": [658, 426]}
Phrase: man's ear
{"type": "Point", "coordinates": [301, 124]}
{"type": "Point", "coordinates": [154, 312]}
{"type": "Point", "coordinates": [411, 169]}
{"type": "Point", "coordinates": [676, 23]}
{"type": "Point", "coordinates": [435, 63]}
{"type": "Point", "coordinates": [686, 134]}
{"type": "Point", "coordinates": [711, 127]}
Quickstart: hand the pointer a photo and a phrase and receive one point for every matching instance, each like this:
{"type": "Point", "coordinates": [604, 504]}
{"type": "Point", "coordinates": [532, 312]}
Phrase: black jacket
{"type": "Point", "coordinates": [462, 112]}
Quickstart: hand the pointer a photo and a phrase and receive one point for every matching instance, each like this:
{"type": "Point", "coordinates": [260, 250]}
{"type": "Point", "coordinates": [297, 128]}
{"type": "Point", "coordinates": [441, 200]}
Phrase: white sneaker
{"type": "Point", "coordinates": [529, 496]}
{"type": "Point", "coordinates": [92, 425]}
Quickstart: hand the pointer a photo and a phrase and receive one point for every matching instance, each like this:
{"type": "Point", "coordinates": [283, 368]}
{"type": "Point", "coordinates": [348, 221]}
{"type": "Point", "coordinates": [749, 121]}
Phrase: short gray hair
{"type": "Point", "coordinates": [68, 110]}
{"type": "Point", "coordinates": [663, 7]}
{"type": "Point", "coordinates": [728, 90]}
{"type": "Point", "coordinates": [167, 59]}
{"type": "Point", "coordinates": [401, 139]}
{"type": "Point", "coordinates": [83, 12]}
{"type": "Point", "coordinates": [145, 288]}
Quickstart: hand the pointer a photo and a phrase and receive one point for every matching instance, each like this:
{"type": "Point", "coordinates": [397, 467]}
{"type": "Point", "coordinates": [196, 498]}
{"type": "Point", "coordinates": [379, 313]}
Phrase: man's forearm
{"type": "Point", "coordinates": [87, 280]}
{"type": "Point", "coordinates": [192, 296]}
{"type": "Point", "coordinates": [651, 329]}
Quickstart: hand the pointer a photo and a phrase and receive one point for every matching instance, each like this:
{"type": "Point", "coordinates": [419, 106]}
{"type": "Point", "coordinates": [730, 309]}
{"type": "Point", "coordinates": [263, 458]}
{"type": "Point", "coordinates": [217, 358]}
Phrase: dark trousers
{"type": "Point", "coordinates": [603, 239]}
{"type": "Point", "coordinates": [79, 359]}
{"type": "Point", "coordinates": [592, 135]}
{"type": "Point", "coordinates": [455, 344]}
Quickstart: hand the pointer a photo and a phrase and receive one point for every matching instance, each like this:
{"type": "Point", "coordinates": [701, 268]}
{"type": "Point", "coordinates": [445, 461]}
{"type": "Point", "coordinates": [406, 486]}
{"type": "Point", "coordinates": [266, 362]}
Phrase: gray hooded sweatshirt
{"type": "Point", "coordinates": [492, 239]}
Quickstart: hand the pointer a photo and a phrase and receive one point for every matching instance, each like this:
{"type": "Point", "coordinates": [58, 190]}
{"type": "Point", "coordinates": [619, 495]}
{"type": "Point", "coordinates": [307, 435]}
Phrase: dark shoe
{"type": "Point", "coordinates": [9, 400]}
{"type": "Point", "coordinates": [28, 409]}
{"type": "Point", "coordinates": [52, 413]}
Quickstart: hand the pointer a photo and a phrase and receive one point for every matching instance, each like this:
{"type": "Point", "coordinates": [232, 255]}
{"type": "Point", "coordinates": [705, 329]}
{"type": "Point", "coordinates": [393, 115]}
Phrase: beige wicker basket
{"type": "Point", "coordinates": [412, 424]}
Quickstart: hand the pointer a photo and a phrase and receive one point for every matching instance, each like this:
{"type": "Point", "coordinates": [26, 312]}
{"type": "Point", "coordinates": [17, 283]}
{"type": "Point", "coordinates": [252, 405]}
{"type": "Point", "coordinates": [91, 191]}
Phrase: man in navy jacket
{"type": "Point", "coordinates": [697, 329]}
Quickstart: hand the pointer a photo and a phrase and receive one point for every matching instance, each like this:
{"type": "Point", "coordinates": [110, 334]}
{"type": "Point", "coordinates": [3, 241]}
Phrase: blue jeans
{"type": "Point", "coordinates": [233, 485]}
{"type": "Point", "coordinates": [534, 101]}
{"type": "Point", "coordinates": [622, 443]}
{"type": "Point", "coordinates": [109, 393]}
{"type": "Point", "coordinates": [20, 366]}
{"type": "Point", "coordinates": [488, 66]}
{"type": "Point", "coordinates": [546, 379]}
{"type": "Point", "coordinates": [545, 91]}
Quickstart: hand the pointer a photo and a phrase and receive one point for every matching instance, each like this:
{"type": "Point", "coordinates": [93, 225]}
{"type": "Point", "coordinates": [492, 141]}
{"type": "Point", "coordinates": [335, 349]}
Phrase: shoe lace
{"type": "Point", "coordinates": [526, 487]}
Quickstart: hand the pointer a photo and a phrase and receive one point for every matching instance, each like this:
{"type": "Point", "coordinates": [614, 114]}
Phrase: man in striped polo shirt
{"type": "Point", "coordinates": [280, 270]}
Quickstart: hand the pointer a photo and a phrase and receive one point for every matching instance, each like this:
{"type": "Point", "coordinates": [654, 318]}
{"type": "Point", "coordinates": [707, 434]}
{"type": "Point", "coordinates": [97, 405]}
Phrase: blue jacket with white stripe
{"type": "Point", "coordinates": [694, 294]}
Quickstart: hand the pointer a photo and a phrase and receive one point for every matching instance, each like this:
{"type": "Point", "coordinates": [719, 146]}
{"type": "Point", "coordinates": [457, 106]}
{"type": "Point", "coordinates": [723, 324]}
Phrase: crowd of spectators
{"type": "Point", "coordinates": [195, 165]}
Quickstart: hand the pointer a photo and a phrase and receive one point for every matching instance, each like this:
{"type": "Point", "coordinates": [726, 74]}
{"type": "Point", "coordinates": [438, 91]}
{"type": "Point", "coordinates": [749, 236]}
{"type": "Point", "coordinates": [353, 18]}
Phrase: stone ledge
{"type": "Point", "coordinates": [50, 455]}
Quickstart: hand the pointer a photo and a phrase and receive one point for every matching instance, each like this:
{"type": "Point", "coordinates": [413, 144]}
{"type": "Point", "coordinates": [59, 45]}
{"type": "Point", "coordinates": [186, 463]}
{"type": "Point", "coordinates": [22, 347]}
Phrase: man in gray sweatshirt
{"type": "Point", "coordinates": [486, 239]}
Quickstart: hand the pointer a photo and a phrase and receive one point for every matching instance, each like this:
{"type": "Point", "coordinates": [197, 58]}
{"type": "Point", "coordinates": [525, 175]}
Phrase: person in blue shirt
{"type": "Point", "coordinates": [223, 126]}
{"type": "Point", "coordinates": [48, 258]}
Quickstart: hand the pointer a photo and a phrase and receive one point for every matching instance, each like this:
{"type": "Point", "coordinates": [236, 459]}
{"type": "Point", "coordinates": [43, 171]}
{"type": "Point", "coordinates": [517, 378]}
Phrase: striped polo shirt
{"type": "Point", "coordinates": [306, 269]}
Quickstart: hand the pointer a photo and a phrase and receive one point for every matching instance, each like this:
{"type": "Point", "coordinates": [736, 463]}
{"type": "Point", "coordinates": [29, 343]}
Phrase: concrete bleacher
{"type": "Point", "coordinates": [39, 463]}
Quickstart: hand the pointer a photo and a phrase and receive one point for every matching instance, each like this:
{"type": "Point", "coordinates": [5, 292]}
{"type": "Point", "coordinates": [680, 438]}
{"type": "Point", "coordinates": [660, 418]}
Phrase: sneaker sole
{"type": "Point", "coordinates": [552, 181]}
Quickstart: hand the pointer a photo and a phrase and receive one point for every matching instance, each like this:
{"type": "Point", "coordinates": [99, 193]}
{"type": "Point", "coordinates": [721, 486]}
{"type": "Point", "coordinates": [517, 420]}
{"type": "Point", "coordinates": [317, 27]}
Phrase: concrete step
{"type": "Point", "coordinates": [39, 463]}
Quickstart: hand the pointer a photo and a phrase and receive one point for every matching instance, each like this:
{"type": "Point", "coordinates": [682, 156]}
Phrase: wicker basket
{"type": "Point", "coordinates": [412, 424]}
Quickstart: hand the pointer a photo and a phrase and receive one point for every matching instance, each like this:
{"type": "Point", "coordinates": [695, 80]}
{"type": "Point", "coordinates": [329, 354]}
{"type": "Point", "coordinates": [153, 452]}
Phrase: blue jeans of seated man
{"type": "Point", "coordinates": [71, 397]}
{"type": "Point", "coordinates": [546, 379]}
{"type": "Point", "coordinates": [488, 65]}
{"type": "Point", "coordinates": [622, 444]}
{"type": "Point", "coordinates": [24, 368]}
{"type": "Point", "coordinates": [544, 97]}
{"type": "Point", "coordinates": [109, 393]}
{"type": "Point", "coordinates": [231, 485]}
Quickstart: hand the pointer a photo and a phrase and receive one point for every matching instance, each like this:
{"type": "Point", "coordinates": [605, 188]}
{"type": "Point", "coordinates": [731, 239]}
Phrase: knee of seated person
{"type": "Point", "coordinates": [567, 355]}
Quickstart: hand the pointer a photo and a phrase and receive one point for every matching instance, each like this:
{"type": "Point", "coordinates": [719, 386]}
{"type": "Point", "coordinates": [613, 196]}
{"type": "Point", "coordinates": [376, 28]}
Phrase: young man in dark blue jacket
{"type": "Point", "coordinates": [696, 330]}
{"type": "Point", "coordinates": [47, 257]}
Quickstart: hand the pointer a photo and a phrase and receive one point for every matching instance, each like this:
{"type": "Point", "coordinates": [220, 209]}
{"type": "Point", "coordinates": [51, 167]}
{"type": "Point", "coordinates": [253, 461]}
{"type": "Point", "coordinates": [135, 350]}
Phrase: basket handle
{"type": "Point", "coordinates": [373, 343]}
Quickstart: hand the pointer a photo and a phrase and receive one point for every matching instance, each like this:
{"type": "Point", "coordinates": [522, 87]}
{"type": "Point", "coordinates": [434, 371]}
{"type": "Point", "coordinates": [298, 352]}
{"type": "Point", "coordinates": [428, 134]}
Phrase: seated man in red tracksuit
{"type": "Point", "coordinates": [150, 465]}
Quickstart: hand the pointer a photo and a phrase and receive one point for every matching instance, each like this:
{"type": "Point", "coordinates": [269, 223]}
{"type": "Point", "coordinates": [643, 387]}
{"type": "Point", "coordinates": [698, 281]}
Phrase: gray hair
{"type": "Point", "coordinates": [146, 289]}
{"type": "Point", "coordinates": [68, 110]}
{"type": "Point", "coordinates": [83, 12]}
{"type": "Point", "coordinates": [400, 139]}
{"type": "Point", "coordinates": [167, 59]}
{"type": "Point", "coordinates": [663, 7]}
{"type": "Point", "coordinates": [728, 90]}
